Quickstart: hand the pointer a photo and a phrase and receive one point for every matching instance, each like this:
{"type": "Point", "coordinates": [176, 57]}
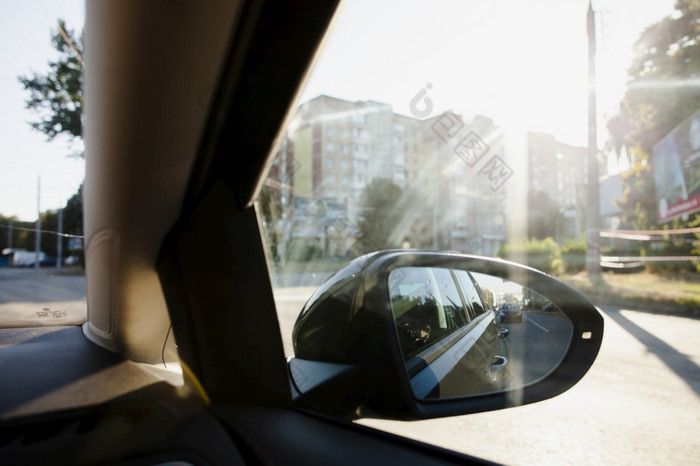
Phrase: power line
{"type": "Point", "coordinates": [65, 235]}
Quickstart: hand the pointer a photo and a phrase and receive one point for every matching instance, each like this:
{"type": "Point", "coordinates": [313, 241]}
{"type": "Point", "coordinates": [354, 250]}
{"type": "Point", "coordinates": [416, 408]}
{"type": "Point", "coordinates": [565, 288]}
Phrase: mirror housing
{"type": "Point", "coordinates": [349, 362]}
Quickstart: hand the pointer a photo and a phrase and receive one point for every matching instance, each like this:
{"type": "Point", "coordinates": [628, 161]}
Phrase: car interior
{"type": "Point", "coordinates": [180, 360]}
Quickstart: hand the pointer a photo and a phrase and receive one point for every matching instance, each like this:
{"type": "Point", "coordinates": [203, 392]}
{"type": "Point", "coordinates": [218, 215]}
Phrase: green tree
{"type": "Point", "coordinates": [57, 99]}
{"type": "Point", "coordinates": [6, 230]}
{"type": "Point", "coordinates": [662, 92]}
{"type": "Point", "coordinates": [73, 223]}
{"type": "Point", "coordinates": [23, 233]}
{"type": "Point", "coordinates": [57, 96]}
{"type": "Point", "coordinates": [380, 216]}
{"type": "Point", "coordinates": [270, 208]}
{"type": "Point", "coordinates": [543, 216]}
{"type": "Point", "coordinates": [542, 254]}
{"type": "Point", "coordinates": [393, 217]}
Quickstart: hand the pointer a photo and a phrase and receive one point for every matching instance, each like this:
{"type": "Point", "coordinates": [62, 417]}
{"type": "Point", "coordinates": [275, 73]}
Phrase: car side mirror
{"type": "Point", "coordinates": [415, 335]}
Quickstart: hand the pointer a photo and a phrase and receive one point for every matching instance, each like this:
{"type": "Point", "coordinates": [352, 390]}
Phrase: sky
{"type": "Point", "coordinates": [521, 63]}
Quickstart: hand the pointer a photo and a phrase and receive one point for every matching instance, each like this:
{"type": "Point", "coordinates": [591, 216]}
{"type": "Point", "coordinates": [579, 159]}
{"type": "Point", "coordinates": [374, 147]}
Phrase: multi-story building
{"type": "Point", "coordinates": [558, 174]}
{"type": "Point", "coordinates": [338, 147]}
{"type": "Point", "coordinates": [470, 211]}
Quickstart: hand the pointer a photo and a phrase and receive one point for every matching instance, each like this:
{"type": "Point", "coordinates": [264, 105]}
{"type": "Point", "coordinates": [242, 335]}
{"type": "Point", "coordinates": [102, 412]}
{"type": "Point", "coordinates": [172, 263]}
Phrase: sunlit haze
{"type": "Point", "coordinates": [528, 71]}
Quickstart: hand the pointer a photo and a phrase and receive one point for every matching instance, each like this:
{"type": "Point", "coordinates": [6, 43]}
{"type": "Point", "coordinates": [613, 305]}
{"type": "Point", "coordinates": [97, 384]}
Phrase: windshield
{"type": "Point", "coordinates": [561, 135]}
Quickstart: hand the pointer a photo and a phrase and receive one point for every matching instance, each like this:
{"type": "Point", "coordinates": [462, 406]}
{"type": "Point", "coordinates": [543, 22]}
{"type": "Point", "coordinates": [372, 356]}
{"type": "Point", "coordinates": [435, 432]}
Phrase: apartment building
{"type": "Point", "coordinates": [335, 148]}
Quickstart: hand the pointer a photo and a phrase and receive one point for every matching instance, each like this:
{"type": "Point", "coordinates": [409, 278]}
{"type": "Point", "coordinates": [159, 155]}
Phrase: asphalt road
{"type": "Point", "coordinates": [31, 297]}
{"type": "Point", "coordinates": [639, 404]}
{"type": "Point", "coordinates": [536, 345]}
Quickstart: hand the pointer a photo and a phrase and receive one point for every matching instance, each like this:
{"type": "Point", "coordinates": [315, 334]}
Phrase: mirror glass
{"type": "Point", "coordinates": [465, 333]}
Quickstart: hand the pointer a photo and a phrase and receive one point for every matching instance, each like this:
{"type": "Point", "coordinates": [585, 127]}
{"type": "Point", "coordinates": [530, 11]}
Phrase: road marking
{"type": "Point", "coordinates": [530, 319]}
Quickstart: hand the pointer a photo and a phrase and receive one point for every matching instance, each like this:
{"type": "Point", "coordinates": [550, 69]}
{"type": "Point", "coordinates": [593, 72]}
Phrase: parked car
{"type": "Point", "coordinates": [511, 312]}
{"type": "Point", "coordinates": [71, 260]}
{"type": "Point", "coordinates": [48, 262]}
{"type": "Point", "coordinates": [24, 258]}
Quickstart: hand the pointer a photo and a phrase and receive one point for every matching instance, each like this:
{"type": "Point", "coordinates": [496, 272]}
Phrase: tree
{"type": "Point", "coordinates": [23, 234]}
{"type": "Point", "coordinates": [73, 222]}
{"type": "Point", "coordinates": [393, 217]}
{"type": "Point", "coordinates": [543, 216]}
{"type": "Point", "coordinates": [380, 216]}
{"type": "Point", "coordinates": [270, 208]}
{"type": "Point", "coordinates": [57, 96]}
{"type": "Point", "coordinates": [662, 92]}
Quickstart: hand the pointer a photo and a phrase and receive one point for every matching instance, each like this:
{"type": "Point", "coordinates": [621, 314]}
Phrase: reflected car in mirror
{"type": "Point", "coordinates": [511, 312]}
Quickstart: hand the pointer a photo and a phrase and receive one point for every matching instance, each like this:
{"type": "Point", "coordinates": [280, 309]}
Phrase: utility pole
{"type": "Point", "coordinates": [59, 245]}
{"type": "Point", "coordinates": [592, 214]}
{"type": "Point", "coordinates": [37, 259]}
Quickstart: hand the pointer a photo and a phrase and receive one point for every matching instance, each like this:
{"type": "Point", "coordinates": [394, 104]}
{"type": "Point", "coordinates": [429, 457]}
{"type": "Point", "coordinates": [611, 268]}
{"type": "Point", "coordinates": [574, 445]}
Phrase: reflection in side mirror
{"type": "Point", "coordinates": [417, 334]}
{"type": "Point", "coordinates": [464, 333]}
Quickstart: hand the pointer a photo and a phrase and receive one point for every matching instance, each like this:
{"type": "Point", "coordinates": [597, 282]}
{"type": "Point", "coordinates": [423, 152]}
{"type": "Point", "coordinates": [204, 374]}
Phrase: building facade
{"type": "Point", "coordinates": [335, 148]}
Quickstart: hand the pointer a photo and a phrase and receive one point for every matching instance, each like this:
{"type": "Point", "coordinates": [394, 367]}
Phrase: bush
{"type": "Point", "coordinates": [543, 254]}
{"type": "Point", "coordinates": [573, 255]}
{"type": "Point", "coordinates": [670, 249]}
{"type": "Point", "coordinates": [301, 250]}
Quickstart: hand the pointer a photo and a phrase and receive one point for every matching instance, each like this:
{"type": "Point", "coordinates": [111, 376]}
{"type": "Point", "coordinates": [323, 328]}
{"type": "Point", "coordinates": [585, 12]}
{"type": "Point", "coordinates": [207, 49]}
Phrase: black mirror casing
{"type": "Point", "coordinates": [371, 364]}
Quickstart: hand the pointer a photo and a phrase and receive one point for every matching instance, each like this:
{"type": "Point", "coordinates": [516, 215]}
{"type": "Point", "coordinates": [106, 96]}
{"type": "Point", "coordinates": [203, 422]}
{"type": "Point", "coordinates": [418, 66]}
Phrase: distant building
{"type": "Point", "coordinates": [472, 214]}
{"type": "Point", "coordinates": [335, 148]}
{"type": "Point", "coordinates": [559, 171]}
{"type": "Point", "coordinates": [341, 146]}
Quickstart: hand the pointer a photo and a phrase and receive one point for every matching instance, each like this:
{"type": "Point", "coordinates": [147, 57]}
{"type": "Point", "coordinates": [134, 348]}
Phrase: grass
{"type": "Point", "coordinates": [668, 293]}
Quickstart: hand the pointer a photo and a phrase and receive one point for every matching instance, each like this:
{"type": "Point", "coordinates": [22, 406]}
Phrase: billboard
{"type": "Point", "coordinates": [676, 160]}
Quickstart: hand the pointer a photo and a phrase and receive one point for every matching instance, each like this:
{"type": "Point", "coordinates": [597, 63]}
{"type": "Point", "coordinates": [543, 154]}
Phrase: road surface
{"type": "Point", "coordinates": [30, 297]}
{"type": "Point", "coordinates": [639, 404]}
{"type": "Point", "coordinates": [536, 345]}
